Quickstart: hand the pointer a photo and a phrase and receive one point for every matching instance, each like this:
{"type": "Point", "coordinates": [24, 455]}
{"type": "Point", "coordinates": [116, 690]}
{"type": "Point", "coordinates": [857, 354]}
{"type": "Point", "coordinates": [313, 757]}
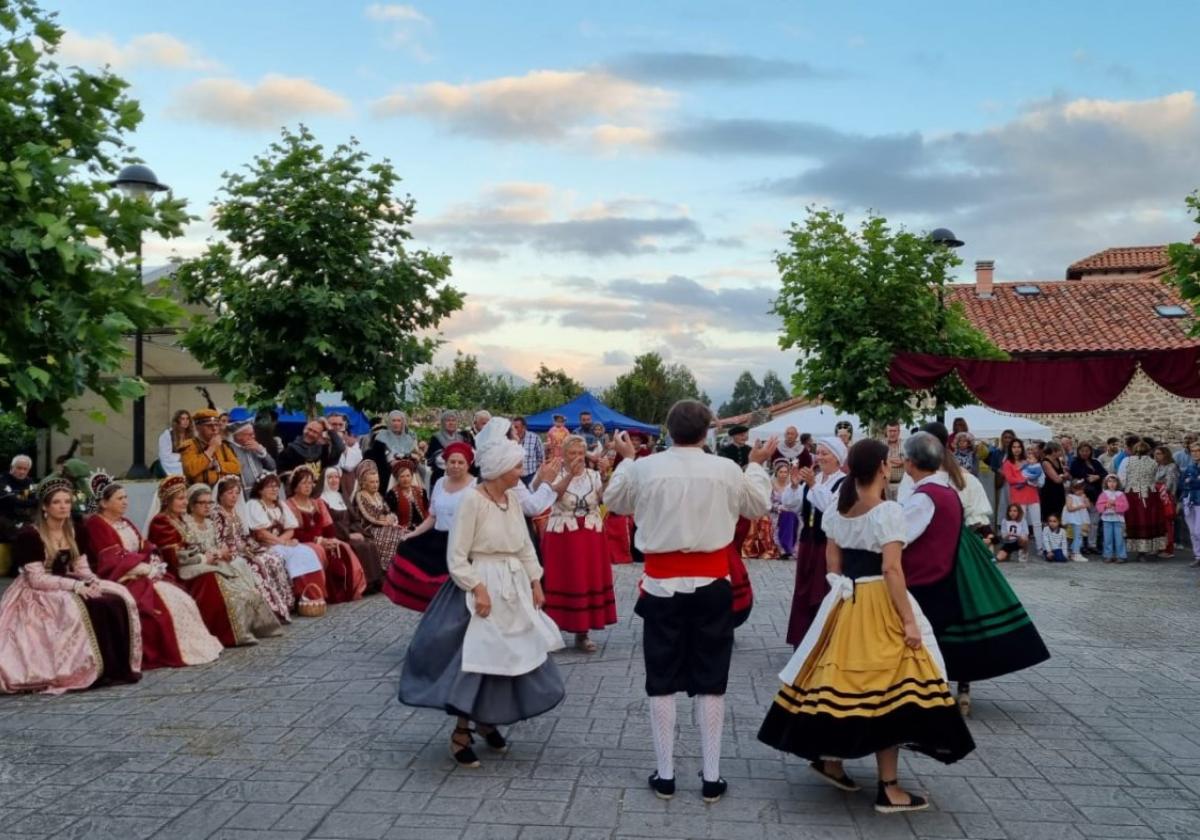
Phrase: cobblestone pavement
{"type": "Point", "coordinates": [302, 737]}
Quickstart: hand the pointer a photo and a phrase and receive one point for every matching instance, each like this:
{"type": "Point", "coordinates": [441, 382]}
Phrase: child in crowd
{"type": "Point", "coordinates": [1054, 541]}
{"type": "Point", "coordinates": [1078, 518]}
{"type": "Point", "coordinates": [1112, 505]}
{"type": "Point", "coordinates": [1035, 476]}
{"type": "Point", "coordinates": [555, 437]}
{"type": "Point", "coordinates": [1014, 535]}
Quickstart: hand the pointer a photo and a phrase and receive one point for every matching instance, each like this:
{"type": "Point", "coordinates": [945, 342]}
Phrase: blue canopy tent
{"type": "Point", "coordinates": [291, 423]}
{"type": "Point", "coordinates": [600, 414]}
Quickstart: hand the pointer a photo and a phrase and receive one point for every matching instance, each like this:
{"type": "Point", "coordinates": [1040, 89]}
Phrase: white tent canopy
{"type": "Point", "coordinates": [820, 420]}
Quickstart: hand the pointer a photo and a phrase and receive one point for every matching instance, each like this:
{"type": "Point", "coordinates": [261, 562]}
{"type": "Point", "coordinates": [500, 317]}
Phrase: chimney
{"type": "Point", "coordinates": [983, 278]}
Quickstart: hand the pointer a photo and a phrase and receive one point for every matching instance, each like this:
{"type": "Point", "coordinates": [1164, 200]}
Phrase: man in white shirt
{"type": "Point", "coordinates": [686, 504]}
{"type": "Point", "coordinates": [352, 455]}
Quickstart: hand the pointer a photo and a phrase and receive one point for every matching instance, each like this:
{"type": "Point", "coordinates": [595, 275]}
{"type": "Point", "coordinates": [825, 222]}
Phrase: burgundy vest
{"type": "Point", "coordinates": [930, 557]}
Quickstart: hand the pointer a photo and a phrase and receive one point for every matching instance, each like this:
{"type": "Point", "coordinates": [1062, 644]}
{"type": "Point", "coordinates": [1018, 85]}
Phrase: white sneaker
{"type": "Point", "coordinates": [1079, 558]}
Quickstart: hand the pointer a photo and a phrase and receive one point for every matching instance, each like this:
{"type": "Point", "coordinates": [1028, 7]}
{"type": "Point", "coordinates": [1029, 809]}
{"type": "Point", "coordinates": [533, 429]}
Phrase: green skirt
{"type": "Point", "coordinates": [993, 635]}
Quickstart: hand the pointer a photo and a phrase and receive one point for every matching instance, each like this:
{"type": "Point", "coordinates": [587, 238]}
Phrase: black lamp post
{"type": "Point", "coordinates": [946, 238]}
{"type": "Point", "coordinates": [138, 182]}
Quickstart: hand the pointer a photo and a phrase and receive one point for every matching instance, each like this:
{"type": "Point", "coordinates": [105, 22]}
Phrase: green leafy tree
{"type": "Point", "coordinates": [313, 288]}
{"type": "Point", "coordinates": [71, 290]}
{"type": "Point", "coordinates": [747, 396]}
{"type": "Point", "coordinates": [1185, 262]}
{"type": "Point", "coordinates": [549, 388]}
{"type": "Point", "coordinates": [650, 388]}
{"type": "Point", "coordinates": [460, 385]}
{"type": "Point", "coordinates": [773, 390]}
{"type": "Point", "coordinates": [850, 300]}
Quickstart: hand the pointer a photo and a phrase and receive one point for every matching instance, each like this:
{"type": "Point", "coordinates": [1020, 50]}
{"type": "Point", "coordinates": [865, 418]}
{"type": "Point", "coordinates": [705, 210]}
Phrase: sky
{"type": "Point", "coordinates": [616, 178]}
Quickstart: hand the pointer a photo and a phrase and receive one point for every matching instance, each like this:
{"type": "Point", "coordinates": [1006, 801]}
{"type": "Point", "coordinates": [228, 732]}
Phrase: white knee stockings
{"type": "Point", "coordinates": [710, 718]}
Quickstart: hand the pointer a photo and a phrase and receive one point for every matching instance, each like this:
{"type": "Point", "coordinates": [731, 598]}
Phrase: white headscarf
{"type": "Point", "coordinates": [835, 445]}
{"type": "Point", "coordinates": [495, 454]}
{"type": "Point", "coordinates": [332, 498]}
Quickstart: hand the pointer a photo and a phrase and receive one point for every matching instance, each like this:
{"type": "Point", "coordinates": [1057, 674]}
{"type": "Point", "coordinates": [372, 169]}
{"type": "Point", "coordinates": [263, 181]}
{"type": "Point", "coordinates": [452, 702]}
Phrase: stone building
{"type": "Point", "coordinates": [1112, 302]}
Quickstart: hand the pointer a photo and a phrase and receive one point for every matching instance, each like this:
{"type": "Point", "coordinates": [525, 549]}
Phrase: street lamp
{"type": "Point", "coordinates": [946, 238]}
{"type": "Point", "coordinates": [138, 182]}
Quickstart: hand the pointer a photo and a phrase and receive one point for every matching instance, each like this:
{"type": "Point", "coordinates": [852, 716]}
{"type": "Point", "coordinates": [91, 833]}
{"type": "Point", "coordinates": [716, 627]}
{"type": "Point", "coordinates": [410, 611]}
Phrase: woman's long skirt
{"type": "Point", "coordinates": [417, 570]}
{"type": "Point", "coordinates": [810, 587]}
{"type": "Point", "coordinates": [1145, 523]}
{"type": "Point", "coordinates": [853, 687]}
{"type": "Point", "coordinates": [618, 538]}
{"type": "Point", "coordinates": [578, 579]}
{"type": "Point", "coordinates": [433, 676]}
{"type": "Point", "coordinates": [787, 526]}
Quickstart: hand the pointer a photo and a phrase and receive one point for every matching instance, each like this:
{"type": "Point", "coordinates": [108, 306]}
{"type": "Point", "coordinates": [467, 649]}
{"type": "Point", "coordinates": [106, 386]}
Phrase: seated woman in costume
{"type": "Point", "coordinates": [370, 509]}
{"type": "Point", "coordinates": [270, 571]}
{"type": "Point", "coordinates": [418, 568]}
{"type": "Point", "coordinates": [62, 628]}
{"type": "Point", "coordinates": [173, 633]}
{"type": "Point", "coordinates": [578, 575]}
{"type": "Point", "coordinates": [273, 526]}
{"type": "Point", "coordinates": [187, 540]}
{"type": "Point", "coordinates": [348, 530]}
{"type": "Point", "coordinates": [344, 578]}
{"type": "Point", "coordinates": [495, 670]}
{"type": "Point", "coordinates": [868, 676]}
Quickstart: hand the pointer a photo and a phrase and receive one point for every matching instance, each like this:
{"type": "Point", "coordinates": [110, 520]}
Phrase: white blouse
{"type": "Point", "coordinates": [483, 531]}
{"type": "Point", "coordinates": [443, 504]}
{"type": "Point", "coordinates": [870, 531]}
{"type": "Point", "coordinates": [259, 517]}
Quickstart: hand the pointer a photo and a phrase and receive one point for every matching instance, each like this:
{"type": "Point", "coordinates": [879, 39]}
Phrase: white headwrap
{"type": "Point", "coordinates": [495, 454]}
{"type": "Point", "coordinates": [834, 445]}
{"type": "Point", "coordinates": [332, 498]}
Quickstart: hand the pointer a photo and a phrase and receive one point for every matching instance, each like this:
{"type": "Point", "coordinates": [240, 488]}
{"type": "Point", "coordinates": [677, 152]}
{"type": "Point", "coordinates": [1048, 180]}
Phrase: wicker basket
{"type": "Point", "coordinates": [311, 607]}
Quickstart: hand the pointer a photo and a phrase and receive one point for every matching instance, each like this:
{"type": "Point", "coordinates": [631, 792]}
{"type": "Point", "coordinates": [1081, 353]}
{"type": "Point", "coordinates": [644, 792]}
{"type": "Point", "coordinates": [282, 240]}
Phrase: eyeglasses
{"type": "Point", "coordinates": [204, 502]}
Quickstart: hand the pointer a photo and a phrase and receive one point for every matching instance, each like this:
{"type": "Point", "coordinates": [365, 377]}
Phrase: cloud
{"type": "Point", "coordinates": [534, 215]}
{"type": "Point", "coordinates": [544, 105]}
{"type": "Point", "coordinates": [154, 49]}
{"type": "Point", "coordinates": [616, 357]}
{"type": "Point", "coordinates": [405, 25]}
{"type": "Point", "coordinates": [273, 101]}
{"type": "Point", "coordinates": [478, 316]}
{"type": "Point", "coordinates": [695, 67]}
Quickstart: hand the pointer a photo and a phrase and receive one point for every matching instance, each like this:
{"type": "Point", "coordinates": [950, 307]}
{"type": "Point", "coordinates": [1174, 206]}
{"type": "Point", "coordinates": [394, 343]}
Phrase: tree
{"type": "Point", "coordinates": [849, 301]}
{"type": "Point", "coordinates": [71, 292]}
{"type": "Point", "coordinates": [461, 385]}
{"type": "Point", "coordinates": [548, 389]}
{"type": "Point", "coordinates": [648, 391]}
{"type": "Point", "coordinates": [313, 288]}
{"type": "Point", "coordinates": [746, 397]}
{"type": "Point", "coordinates": [772, 391]}
{"type": "Point", "coordinates": [1185, 262]}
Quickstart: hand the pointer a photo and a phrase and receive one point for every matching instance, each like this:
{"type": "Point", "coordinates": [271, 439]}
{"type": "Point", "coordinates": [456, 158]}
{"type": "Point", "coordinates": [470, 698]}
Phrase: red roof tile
{"type": "Point", "coordinates": [1078, 316]}
{"type": "Point", "coordinates": [772, 410]}
{"type": "Point", "coordinates": [1137, 258]}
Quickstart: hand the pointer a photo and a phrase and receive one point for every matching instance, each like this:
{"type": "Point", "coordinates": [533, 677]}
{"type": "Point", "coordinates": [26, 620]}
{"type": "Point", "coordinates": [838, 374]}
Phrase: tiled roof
{"type": "Point", "coordinates": [1138, 258]}
{"type": "Point", "coordinates": [1078, 316]}
{"type": "Point", "coordinates": [772, 410]}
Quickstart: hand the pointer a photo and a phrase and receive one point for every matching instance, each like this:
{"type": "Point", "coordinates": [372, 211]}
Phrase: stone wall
{"type": "Point", "coordinates": [1144, 408]}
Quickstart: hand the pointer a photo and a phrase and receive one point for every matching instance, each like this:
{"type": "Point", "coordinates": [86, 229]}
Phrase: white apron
{"type": "Point", "coordinates": [516, 637]}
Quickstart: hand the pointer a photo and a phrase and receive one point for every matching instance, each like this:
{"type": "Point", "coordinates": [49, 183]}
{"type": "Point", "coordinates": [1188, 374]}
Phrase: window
{"type": "Point", "coordinates": [1027, 290]}
{"type": "Point", "coordinates": [1171, 310]}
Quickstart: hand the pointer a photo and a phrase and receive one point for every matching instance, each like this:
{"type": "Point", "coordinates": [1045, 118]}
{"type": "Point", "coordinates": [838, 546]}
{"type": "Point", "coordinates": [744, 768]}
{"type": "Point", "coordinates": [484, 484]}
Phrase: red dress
{"type": "Point", "coordinates": [112, 561]}
{"type": "Point", "coordinates": [577, 574]}
{"type": "Point", "coordinates": [344, 576]}
{"type": "Point", "coordinates": [617, 538]}
{"type": "Point", "coordinates": [204, 589]}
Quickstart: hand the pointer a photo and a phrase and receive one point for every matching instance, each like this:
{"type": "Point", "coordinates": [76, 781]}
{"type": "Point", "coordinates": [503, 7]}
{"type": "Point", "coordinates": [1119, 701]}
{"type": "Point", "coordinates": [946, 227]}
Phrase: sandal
{"type": "Point", "coordinates": [964, 703]}
{"type": "Point", "coordinates": [883, 805]}
{"type": "Point", "coordinates": [842, 782]}
{"type": "Point", "coordinates": [460, 749]}
{"type": "Point", "coordinates": [585, 645]}
{"type": "Point", "coordinates": [493, 738]}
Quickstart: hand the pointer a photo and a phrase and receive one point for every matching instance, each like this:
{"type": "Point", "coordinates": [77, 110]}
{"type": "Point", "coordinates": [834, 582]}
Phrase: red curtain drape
{"type": "Point", "coordinates": [1052, 386]}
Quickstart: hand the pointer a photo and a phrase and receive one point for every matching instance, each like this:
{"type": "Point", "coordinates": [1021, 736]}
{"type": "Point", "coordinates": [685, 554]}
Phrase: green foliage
{"type": "Point", "coordinates": [16, 438]}
{"type": "Point", "coordinates": [772, 391]}
{"type": "Point", "coordinates": [1185, 263]}
{"type": "Point", "coordinates": [650, 388]}
{"type": "Point", "coordinates": [850, 300]}
{"type": "Point", "coordinates": [312, 288]}
{"type": "Point", "coordinates": [71, 289]}
{"type": "Point", "coordinates": [464, 386]}
{"type": "Point", "coordinates": [746, 397]}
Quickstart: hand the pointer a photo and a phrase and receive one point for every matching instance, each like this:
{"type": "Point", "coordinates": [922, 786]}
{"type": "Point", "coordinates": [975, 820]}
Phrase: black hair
{"type": "Point", "coordinates": [688, 422]}
{"type": "Point", "coordinates": [863, 462]}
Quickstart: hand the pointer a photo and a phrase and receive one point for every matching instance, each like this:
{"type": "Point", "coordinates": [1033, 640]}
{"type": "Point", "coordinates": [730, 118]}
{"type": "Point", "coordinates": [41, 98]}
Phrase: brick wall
{"type": "Point", "coordinates": [1144, 408]}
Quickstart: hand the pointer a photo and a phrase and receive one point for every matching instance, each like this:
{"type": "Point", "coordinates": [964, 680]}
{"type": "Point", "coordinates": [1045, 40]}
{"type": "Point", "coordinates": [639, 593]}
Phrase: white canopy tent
{"type": "Point", "coordinates": [819, 421]}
